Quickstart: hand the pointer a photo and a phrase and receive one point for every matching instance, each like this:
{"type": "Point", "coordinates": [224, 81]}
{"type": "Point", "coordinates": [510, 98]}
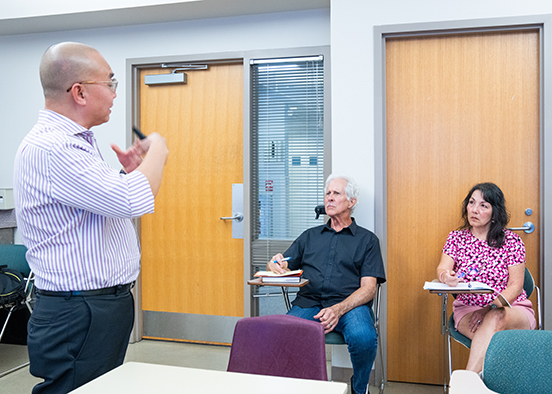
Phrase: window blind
{"type": "Point", "coordinates": [287, 127]}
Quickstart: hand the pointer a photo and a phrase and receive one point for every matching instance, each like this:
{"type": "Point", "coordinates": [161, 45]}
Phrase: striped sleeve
{"type": "Point", "coordinates": [81, 179]}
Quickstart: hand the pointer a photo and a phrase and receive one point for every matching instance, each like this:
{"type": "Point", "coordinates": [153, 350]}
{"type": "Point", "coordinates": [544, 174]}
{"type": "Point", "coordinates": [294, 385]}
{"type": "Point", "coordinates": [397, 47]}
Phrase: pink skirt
{"type": "Point", "coordinates": [460, 310]}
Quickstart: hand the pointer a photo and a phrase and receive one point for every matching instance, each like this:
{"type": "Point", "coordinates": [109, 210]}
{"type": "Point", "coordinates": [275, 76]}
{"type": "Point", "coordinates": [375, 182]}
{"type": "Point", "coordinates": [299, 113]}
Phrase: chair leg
{"type": "Point", "coordinates": [539, 308]}
{"type": "Point", "coordinates": [449, 357]}
{"type": "Point", "coordinates": [382, 385]}
{"type": "Point", "coordinates": [6, 322]}
{"type": "Point", "coordinates": [447, 369]}
{"type": "Point", "coordinates": [29, 287]}
{"type": "Point", "coordinates": [377, 305]}
{"type": "Point", "coordinates": [285, 294]}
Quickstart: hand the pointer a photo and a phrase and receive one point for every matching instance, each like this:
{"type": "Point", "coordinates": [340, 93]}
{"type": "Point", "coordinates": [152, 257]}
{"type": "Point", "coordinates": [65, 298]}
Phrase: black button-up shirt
{"type": "Point", "coordinates": [334, 262]}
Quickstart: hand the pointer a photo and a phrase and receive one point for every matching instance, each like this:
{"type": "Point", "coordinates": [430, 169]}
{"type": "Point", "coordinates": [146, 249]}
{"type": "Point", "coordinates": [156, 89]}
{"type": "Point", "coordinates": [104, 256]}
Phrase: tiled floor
{"type": "Point", "coordinates": [159, 352]}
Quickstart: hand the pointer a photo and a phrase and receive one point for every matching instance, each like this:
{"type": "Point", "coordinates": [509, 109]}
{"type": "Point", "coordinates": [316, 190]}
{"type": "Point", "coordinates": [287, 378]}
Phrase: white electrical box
{"type": "Point", "coordinates": [6, 199]}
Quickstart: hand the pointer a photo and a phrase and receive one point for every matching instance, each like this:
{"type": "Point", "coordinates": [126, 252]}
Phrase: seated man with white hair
{"type": "Point", "coordinates": [343, 264]}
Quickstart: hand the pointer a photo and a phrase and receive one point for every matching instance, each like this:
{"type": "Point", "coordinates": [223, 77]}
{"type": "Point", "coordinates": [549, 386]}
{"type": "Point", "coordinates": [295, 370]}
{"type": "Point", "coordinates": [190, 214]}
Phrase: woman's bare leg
{"type": "Point", "coordinates": [494, 321]}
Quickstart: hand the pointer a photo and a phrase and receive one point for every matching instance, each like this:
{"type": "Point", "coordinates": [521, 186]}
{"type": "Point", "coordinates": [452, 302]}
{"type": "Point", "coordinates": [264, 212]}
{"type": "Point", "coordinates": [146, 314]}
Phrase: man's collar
{"type": "Point", "coordinates": [69, 125]}
{"type": "Point", "coordinates": [352, 227]}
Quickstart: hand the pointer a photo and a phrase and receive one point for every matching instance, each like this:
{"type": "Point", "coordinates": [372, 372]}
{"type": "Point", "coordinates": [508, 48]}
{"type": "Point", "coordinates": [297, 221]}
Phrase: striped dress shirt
{"type": "Point", "coordinates": [74, 212]}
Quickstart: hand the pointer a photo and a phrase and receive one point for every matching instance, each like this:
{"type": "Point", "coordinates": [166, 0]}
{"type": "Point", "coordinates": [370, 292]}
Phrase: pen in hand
{"type": "Point", "coordinates": [138, 133]}
{"type": "Point", "coordinates": [284, 259]}
{"type": "Point", "coordinates": [462, 274]}
{"type": "Point", "coordinates": [280, 269]}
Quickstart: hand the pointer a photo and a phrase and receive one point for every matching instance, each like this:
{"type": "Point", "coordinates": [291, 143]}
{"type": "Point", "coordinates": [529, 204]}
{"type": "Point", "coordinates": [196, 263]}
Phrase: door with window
{"type": "Point", "coordinates": [461, 109]}
{"type": "Point", "coordinates": [193, 285]}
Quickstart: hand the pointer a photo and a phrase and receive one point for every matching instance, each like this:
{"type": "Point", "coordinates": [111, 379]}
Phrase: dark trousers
{"type": "Point", "coordinates": [72, 340]}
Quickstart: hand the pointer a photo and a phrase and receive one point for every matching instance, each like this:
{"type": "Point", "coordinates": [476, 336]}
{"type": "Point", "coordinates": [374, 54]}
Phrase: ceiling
{"type": "Point", "coordinates": [129, 12]}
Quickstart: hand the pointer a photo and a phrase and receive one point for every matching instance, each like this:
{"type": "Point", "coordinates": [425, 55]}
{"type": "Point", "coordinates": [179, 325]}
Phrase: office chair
{"type": "Point", "coordinates": [279, 345]}
{"type": "Point", "coordinates": [516, 361]}
{"type": "Point", "coordinates": [528, 285]}
{"type": "Point", "coordinates": [14, 257]}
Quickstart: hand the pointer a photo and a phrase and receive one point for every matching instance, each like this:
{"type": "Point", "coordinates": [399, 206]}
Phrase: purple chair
{"type": "Point", "coordinates": [279, 345]}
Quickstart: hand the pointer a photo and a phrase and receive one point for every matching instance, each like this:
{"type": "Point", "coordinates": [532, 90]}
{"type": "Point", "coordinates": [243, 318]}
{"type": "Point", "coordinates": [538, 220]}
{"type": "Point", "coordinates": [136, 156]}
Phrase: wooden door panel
{"type": "Point", "coordinates": [461, 109]}
{"type": "Point", "coordinates": [190, 262]}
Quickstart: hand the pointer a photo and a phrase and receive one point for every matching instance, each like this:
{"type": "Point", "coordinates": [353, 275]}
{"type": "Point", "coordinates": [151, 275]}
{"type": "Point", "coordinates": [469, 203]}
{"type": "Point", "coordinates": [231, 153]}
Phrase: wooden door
{"type": "Point", "coordinates": [461, 109]}
{"type": "Point", "coordinates": [190, 262]}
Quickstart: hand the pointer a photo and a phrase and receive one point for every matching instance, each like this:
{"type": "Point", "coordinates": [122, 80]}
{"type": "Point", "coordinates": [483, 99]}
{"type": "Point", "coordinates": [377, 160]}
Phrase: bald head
{"type": "Point", "coordinates": [64, 64]}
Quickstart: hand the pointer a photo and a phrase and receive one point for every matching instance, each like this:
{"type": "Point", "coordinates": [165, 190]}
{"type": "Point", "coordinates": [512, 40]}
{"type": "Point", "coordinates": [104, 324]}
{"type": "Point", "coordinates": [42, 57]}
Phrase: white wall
{"type": "Point", "coordinates": [352, 23]}
{"type": "Point", "coordinates": [21, 95]}
{"type": "Point", "coordinates": [349, 31]}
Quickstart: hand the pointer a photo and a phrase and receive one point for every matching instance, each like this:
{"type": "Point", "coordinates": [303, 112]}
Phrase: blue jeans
{"type": "Point", "coordinates": [357, 327]}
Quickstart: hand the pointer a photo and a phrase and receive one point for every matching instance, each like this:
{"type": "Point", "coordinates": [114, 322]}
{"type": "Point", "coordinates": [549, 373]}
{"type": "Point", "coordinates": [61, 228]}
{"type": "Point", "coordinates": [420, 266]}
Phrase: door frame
{"type": "Point", "coordinates": [541, 22]}
{"type": "Point", "coordinates": [132, 94]}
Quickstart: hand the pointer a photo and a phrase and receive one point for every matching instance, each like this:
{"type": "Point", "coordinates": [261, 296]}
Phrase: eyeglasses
{"type": "Point", "coordinates": [112, 85]}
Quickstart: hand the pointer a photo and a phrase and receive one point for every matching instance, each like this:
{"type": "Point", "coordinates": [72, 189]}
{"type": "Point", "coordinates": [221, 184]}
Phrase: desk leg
{"type": "Point", "coordinates": [445, 333]}
{"type": "Point", "coordinates": [286, 297]}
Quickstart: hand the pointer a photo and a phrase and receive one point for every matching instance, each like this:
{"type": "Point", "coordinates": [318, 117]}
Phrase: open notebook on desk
{"type": "Point", "coordinates": [465, 287]}
{"type": "Point", "coordinates": [462, 287]}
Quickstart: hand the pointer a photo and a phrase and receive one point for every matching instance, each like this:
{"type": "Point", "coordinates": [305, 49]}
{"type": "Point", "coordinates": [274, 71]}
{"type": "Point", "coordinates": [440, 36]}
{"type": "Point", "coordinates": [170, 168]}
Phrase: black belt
{"type": "Point", "coordinates": [87, 293]}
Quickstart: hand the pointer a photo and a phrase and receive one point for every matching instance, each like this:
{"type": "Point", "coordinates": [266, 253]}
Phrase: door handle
{"type": "Point", "coordinates": [237, 209]}
{"type": "Point", "coordinates": [528, 227]}
{"type": "Point", "coordinates": [237, 216]}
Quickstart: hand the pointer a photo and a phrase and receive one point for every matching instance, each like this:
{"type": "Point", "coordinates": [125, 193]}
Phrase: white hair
{"type": "Point", "coordinates": [351, 190]}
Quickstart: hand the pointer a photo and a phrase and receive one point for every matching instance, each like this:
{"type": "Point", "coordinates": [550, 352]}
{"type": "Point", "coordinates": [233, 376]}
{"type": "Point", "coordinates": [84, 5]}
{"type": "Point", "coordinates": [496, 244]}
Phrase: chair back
{"type": "Point", "coordinates": [334, 338]}
{"type": "Point", "coordinates": [14, 257]}
{"type": "Point", "coordinates": [519, 361]}
{"type": "Point", "coordinates": [528, 283]}
{"type": "Point", "coordinates": [460, 338]}
{"type": "Point", "coordinates": [279, 345]}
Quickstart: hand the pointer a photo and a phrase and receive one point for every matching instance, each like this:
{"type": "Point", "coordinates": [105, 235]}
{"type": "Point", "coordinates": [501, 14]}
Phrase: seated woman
{"type": "Point", "coordinates": [484, 250]}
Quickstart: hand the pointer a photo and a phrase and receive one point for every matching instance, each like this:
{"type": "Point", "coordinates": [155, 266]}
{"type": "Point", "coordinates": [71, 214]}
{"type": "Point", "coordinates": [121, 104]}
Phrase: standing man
{"type": "Point", "coordinates": [75, 214]}
{"type": "Point", "coordinates": [343, 264]}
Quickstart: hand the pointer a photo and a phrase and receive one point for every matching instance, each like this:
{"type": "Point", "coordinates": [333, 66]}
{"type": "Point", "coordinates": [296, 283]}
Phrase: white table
{"type": "Point", "coordinates": [463, 381]}
{"type": "Point", "coordinates": [138, 378]}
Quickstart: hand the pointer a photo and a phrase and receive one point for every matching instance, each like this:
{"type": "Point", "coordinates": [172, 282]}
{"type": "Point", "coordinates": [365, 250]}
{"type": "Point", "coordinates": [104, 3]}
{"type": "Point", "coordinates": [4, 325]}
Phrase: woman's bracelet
{"type": "Point", "coordinates": [440, 276]}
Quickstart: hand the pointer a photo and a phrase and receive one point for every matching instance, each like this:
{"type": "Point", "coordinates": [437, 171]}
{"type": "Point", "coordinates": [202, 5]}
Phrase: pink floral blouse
{"type": "Point", "coordinates": [482, 263]}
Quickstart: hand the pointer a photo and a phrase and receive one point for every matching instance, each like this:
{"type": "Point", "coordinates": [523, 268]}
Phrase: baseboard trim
{"type": "Point", "coordinates": [189, 327]}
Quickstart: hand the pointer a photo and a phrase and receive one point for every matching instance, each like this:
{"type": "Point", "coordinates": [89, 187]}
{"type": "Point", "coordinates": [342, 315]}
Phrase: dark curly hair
{"type": "Point", "coordinates": [500, 216]}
